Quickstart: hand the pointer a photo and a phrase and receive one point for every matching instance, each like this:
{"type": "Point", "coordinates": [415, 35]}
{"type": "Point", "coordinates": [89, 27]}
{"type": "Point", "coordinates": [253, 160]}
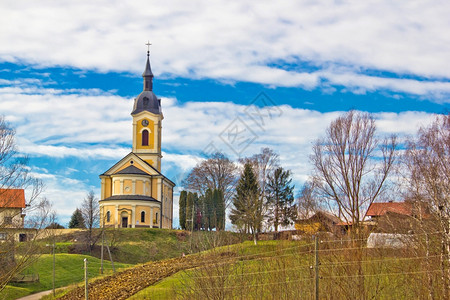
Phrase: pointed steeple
{"type": "Point", "coordinates": [148, 75]}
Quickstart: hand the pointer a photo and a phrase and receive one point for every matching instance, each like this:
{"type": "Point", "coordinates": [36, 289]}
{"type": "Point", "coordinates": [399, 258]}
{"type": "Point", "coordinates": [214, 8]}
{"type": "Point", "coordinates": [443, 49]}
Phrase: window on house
{"type": "Point", "coordinates": [143, 217]}
{"type": "Point", "coordinates": [156, 218]}
{"type": "Point", "coordinates": [145, 138]}
{"type": "Point", "coordinates": [3, 236]}
{"type": "Point", "coordinates": [8, 220]}
{"type": "Point", "coordinates": [108, 216]}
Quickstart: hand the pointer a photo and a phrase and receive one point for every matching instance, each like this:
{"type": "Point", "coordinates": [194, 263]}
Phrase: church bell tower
{"type": "Point", "coordinates": [147, 119]}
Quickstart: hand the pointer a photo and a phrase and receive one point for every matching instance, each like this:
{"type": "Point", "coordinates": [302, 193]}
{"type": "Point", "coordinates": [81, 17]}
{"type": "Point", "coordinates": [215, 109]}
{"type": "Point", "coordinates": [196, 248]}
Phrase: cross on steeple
{"type": "Point", "coordinates": [148, 47]}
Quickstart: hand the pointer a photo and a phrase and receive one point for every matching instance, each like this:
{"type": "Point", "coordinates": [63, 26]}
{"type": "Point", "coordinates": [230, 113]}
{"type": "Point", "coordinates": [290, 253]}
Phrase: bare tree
{"type": "Point", "coordinates": [91, 215]}
{"type": "Point", "coordinates": [307, 202]}
{"type": "Point", "coordinates": [428, 161]}
{"type": "Point", "coordinates": [352, 165]}
{"type": "Point", "coordinates": [217, 172]}
{"type": "Point", "coordinates": [15, 175]}
{"type": "Point", "coordinates": [351, 169]}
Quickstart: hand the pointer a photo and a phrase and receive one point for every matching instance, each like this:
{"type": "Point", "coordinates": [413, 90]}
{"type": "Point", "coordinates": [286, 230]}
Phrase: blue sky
{"type": "Point", "coordinates": [69, 71]}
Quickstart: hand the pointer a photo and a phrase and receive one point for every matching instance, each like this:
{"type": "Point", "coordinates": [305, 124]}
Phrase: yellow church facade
{"type": "Point", "coordinates": [134, 192]}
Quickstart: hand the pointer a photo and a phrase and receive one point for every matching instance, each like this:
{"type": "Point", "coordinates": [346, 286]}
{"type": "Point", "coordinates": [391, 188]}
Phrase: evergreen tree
{"type": "Point", "coordinates": [77, 220]}
{"type": "Point", "coordinates": [219, 204]}
{"type": "Point", "coordinates": [248, 210]}
{"type": "Point", "coordinates": [197, 213]}
{"type": "Point", "coordinates": [182, 211]}
{"type": "Point", "coordinates": [189, 211]}
{"type": "Point", "coordinates": [209, 210]}
{"type": "Point", "coordinates": [280, 198]}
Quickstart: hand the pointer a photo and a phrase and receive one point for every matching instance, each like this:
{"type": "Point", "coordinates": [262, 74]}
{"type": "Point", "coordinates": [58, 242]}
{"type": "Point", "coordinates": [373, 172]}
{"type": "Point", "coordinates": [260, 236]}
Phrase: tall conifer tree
{"type": "Point", "coordinates": [190, 211]}
{"type": "Point", "coordinates": [182, 211]}
{"type": "Point", "coordinates": [280, 198]}
{"type": "Point", "coordinates": [77, 220]}
{"type": "Point", "coordinates": [248, 211]}
{"type": "Point", "coordinates": [219, 209]}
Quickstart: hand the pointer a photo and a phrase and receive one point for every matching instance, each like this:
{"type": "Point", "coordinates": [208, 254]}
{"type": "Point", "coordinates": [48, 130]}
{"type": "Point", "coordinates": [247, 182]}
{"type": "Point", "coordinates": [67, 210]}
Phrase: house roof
{"type": "Point", "coordinates": [321, 215]}
{"type": "Point", "coordinates": [380, 209]}
{"type": "Point", "coordinates": [12, 198]}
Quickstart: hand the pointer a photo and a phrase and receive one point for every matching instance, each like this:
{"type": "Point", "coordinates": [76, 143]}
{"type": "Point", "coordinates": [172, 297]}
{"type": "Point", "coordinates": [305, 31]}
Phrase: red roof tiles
{"type": "Point", "coordinates": [12, 198]}
{"type": "Point", "coordinates": [380, 209]}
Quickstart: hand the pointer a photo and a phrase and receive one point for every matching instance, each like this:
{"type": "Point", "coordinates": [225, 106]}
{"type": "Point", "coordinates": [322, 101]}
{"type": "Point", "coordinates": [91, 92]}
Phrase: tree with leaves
{"type": "Point", "coordinates": [247, 212]}
{"type": "Point", "coordinates": [182, 209]}
{"type": "Point", "coordinates": [280, 198]}
{"type": "Point", "coordinates": [77, 220]}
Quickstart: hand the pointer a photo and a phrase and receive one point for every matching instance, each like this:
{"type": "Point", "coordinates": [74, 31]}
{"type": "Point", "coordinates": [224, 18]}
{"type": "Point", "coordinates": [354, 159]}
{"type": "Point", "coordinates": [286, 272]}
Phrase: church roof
{"type": "Point", "coordinates": [132, 170]}
{"type": "Point", "coordinates": [147, 101]}
{"type": "Point", "coordinates": [158, 173]}
{"type": "Point", "coordinates": [131, 197]}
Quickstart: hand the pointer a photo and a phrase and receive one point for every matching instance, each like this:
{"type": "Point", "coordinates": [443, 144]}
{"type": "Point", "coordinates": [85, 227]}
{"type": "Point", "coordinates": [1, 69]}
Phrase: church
{"type": "Point", "coordinates": [134, 192]}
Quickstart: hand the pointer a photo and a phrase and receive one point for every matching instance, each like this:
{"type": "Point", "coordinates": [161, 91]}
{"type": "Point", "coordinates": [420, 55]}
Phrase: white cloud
{"type": "Point", "coordinates": [97, 129]}
{"type": "Point", "coordinates": [240, 41]}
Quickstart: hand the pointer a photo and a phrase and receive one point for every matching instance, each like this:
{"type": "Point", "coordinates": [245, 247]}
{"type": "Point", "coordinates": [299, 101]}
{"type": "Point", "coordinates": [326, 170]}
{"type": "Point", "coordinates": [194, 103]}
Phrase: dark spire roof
{"type": "Point", "coordinates": [147, 100]}
{"type": "Point", "coordinates": [148, 75]}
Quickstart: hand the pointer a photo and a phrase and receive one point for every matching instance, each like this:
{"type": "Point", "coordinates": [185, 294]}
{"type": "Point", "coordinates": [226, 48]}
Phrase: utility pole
{"type": "Point", "coordinates": [316, 258]}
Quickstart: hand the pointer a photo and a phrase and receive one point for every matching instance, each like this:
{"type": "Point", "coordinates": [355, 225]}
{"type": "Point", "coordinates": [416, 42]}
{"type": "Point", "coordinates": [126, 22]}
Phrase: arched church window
{"type": "Point", "coordinates": [108, 216]}
{"type": "Point", "coordinates": [145, 138]}
{"type": "Point", "coordinates": [146, 100]}
{"type": "Point", "coordinates": [156, 218]}
{"type": "Point", "coordinates": [143, 217]}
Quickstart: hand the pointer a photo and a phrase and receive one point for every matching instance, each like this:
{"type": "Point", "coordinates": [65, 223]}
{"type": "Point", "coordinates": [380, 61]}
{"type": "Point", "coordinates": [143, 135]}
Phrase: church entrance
{"type": "Point", "coordinates": [124, 222]}
{"type": "Point", "coordinates": [124, 216]}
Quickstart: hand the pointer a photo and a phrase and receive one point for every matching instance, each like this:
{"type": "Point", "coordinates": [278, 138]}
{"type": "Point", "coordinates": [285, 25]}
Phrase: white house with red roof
{"type": "Point", "coordinates": [12, 204]}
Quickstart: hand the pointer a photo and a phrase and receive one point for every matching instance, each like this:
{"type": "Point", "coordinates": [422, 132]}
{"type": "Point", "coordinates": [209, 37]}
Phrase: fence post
{"type": "Point", "coordinates": [101, 255]}
{"type": "Point", "coordinates": [316, 258]}
{"type": "Point", "coordinates": [86, 297]}
{"type": "Point", "coordinates": [53, 279]}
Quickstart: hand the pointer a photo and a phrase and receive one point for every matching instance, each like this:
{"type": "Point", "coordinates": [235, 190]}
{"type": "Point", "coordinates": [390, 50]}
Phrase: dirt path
{"type": "Point", "coordinates": [36, 296]}
{"type": "Point", "coordinates": [125, 284]}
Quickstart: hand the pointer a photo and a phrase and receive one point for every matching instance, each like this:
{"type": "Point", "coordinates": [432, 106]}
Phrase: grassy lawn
{"type": "Point", "coordinates": [283, 270]}
{"type": "Point", "coordinates": [68, 270]}
{"type": "Point", "coordinates": [176, 284]}
{"type": "Point", "coordinates": [163, 289]}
